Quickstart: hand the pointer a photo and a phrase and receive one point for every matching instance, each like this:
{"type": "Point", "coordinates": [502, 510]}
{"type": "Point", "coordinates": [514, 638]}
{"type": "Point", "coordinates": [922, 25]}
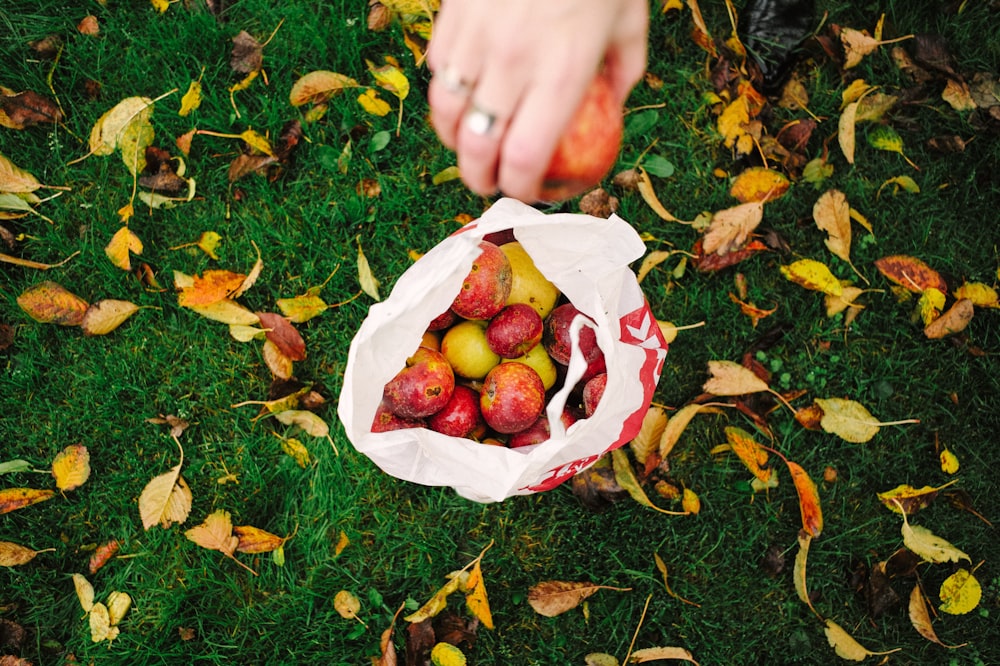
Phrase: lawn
{"type": "Point", "coordinates": [356, 179]}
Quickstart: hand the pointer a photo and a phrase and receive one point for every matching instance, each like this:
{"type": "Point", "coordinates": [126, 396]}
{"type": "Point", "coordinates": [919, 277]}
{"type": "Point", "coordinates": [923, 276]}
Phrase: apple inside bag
{"type": "Point", "coordinates": [588, 259]}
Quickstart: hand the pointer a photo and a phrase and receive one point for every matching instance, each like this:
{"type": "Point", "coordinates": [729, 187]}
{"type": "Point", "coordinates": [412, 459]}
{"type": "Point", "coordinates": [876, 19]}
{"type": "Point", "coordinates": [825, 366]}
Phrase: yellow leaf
{"type": "Point", "coordinates": [210, 287]}
{"type": "Point", "coordinates": [690, 502]}
{"type": "Point", "coordinates": [905, 498]}
{"type": "Point", "coordinates": [106, 315]}
{"type": "Point", "coordinates": [227, 311]}
{"type": "Point", "coordinates": [12, 499]}
{"type": "Point", "coordinates": [105, 136]}
{"type": "Point", "coordinates": [318, 87]}
{"type": "Point", "coordinates": [647, 440]}
{"type": "Point", "coordinates": [436, 603]}
{"type": "Point", "coordinates": [100, 624]}
{"type": "Point", "coordinates": [71, 467]}
{"type": "Point", "coordinates": [675, 427]}
{"type": "Point", "coordinates": [651, 261]}
{"type": "Point", "coordinates": [627, 480]}
{"type": "Point", "coordinates": [928, 545]}
{"type": "Point", "coordinates": [847, 419]}
{"type": "Point", "coordinates": [342, 543]}
{"type": "Point", "coordinates": [166, 499]}
{"type": "Point", "coordinates": [845, 645]}
{"type": "Point", "coordinates": [949, 462]}
{"type": "Point", "coordinates": [832, 214]}
{"type": "Point", "coordinates": [733, 120]}
{"type": "Point", "coordinates": [854, 92]}
{"type": "Point", "coordinates": [50, 303]}
{"type": "Point", "coordinates": [799, 570]}
{"type": "Point", "coordinates": [369, 283]}
{"type": "Point", "coordinates": [84, 592]}
{"type": "Point", "coordinates": [960, 593]}
{"type": "Point", "coordinates": [308, 421]}
{"type": "Point", "coordinates": [446, 654]}
{"type": "Point", "coordinates": [759, 184]}
{"type": "Point", "coordinates": [191, 99]}
{"type": "Point", "coordinates": [847, 299]}
{"type": "Point", "coordinates": [958, 95]}
{"type": "Point", "coordinates": [846, 131]}
{"type": "Point", "coordinates": [390, 78]}
{"type": "Point", "coordinates": [257, 141]}
{"type": "Point", "coordinates": [346, 604]}
{"type": "Point", "coordinates": [645, 187]}
{"type": "Point", "coordinates": [979, 294]}
{"type": "Point", "coordinates": [446, 174]}
{"type": "Point", "coordinates": [133, 140]}
{"type": "Point", "coordinates": [297, 450]}
{"type": "Point", "coordinates": [373, 104]}
{"type": "Point", "coordinates": [729, 378]}
{"type": "Point", "coordinates": [302, 308]}
{"type": "Point", "coordinates": [245, 82]}
{"type": "Point", "coordinates": [255, 540]}
{"type": "Point", "coordinates": [160, 5]}
{"type": "Point", "coordinates": [930, 304]}
{"type": "Point", "coordinates": [660, 653]}
{"type": "Point", "coordinates": [118, 605]}
{"type": "Point", "coordinates": [13, 555]}
{"type": "Point", "coordinates": [208, 241]}
{"type": "Point", "coordinates": [14, 179]}
{"type": "Point", "coordinates": [215, 533]}
{"type": "Point", "coordinates": [122, 243]}
{"type": "Point", "coordinates": [475, 596]}
{"type": "Point", "coordinates": [813, 275]}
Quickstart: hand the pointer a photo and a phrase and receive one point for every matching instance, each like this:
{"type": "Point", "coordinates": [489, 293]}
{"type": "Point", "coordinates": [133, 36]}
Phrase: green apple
{"type": "Point", "coordinates": [465, 347]}
{"type": "Point", "coordinates": [528, 284]}
{"type": "Point", "coordinates": [539, 360]}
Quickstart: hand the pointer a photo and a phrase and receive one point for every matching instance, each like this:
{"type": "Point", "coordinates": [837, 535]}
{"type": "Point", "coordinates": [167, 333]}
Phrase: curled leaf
{"type": "Point", "coordinates": [809, 506]}
{"type": "Point", "coordinates": [555, 597]}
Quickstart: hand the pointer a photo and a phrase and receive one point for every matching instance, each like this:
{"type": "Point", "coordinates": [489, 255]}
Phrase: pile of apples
{"type": "Point", "coordinates": [486, 367]}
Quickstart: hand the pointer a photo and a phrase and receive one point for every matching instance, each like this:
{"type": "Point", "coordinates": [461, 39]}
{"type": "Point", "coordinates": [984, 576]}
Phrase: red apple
{"type": "Point", "coordinates": [423, 387]}
{"type": "Point", "coordinates": [442, 321]}
{"type": "Point", "coordinates": [512, 397]}
{"type": "Point", "coordinates": [592, 392]}
{"type": "Point", "coordinates": [385, 420]}
{"type": "Point", "coordinates": [486, 287]}
{"type": "Point", "coordinates": [515, 330]}
{"type": "Point", "coordinates": [538, 431]}
{"type": "Point", "coordinates": [501, 237]}
{"type": "Point", "coordinates": [460, 417]}
{"type": "Point", "coordinates": [589, 147]}
{"type": "Point", "coordinates": [556, 337]}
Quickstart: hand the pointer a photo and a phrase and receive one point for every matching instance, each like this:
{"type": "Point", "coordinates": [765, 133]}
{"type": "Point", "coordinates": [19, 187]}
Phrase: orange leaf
{"type": "Point", "coordinates": [102, 554]}
{"type": "Point", "coordinates": [255, 540]}
{"type": "Point", "coordinates": [12, 499]}
{"type": "Point", "coordinates": [51, 303]}
{"type": "Point", "coordinates": [759, 184]}
{"type": "Point", "coordinates": [749, 452]}
{"type": "Point", "coordinates": [211, 287]}
{"type": "Point", "coordinates": [733, 121]}
{"type": "Point", "coordinates": [911, 273]}
{"type": "Point", "coordinates": [812, 514]}
{"type": "Point", "coordinates": [954, 320]}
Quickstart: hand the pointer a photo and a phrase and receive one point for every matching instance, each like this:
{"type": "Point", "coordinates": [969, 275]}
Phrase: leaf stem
{"type": "Point", "coordinates": [635, 634]}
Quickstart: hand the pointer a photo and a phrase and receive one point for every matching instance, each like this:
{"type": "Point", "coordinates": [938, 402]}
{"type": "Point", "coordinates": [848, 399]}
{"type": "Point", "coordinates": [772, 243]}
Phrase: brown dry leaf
{"type": "Point", "coordinates": [166, 499]}
{"type": "Point", "coordinates": [813, 275]}
{"type": "Point", "coordinates": [928, 545]}
{"type": "Point", "coordinates": [247, 55]}
{"type": "Point", "coordinates": [284, 335]}
{"type": "Point", "coordinates": [699, 31]}
{"type": "Point", "coordinates": [846, 646]}
{"type": "Point", "coordinates": [71, 467]}
{"type": "Point", "coordinates": [106, 315]}
{"type": "Point", "coordinates": [88, 25]}
{"type": "Point", "coordinates": [920, 618]}
{"type": "Point", "coordinates": [12, 499]}
{"type": "Point", "coordinates": [658, 653]}
{"type": "Point", "coordinates": [255, 540]}
{"type": "Point", "coordinates": [749, 452]}
{"type": "Point", "coordinates": [750, 310]}
{"type": "Point", "coordinates": [210, 287]}
{"type": "Point", "coordinates": [121, 244]}
{"type": "Point", "coordinates": [729, 379]}
{"type": "Point", "coordinates": [958, 95]}
{"type": "Point", "coordinates": [809, 506]}
{"type": "Point", "coordinates": [647, 440]}
{"type": "Point", "coordinates": [318, 87]}
{"type": "Point", "coordinates": [954, 320]}
{"type": "Point", "coordinates": [14, 179]}
{"type": "Point", "coordinates": [347, 604]}
{"type": "Point", "coordinates": [911, 273]}
{"type": "Point", "coordinates": [251, 277]}
{"type": "Point", "coordinates": [302, 308]}
{"type": "Point", "coordinates": [846, 136]}
{"type": "Point", "coordinates": [280, 365]}
{"type": "Point", "coordinates": [14, 555]}
{"type": "Point", "coordinates": [759, 184]}
{"type": "Point", "coordinates": [832, 214]}
{"type": "Point", "coordinates": [907, 499]}
{"type": "Point", "coordinates": [554, 597]}
{"type": "Point", "coordinates": [101, 555]}
{"type": "Point", "coordinates": [50, 303]}
{"type": "Point", "coordinates": [730, 228]}
{"type": "Point", "coordinates": [216, 533]}
{"type": "Point", "coordinates": [245, 164]}
{"type": "Point", "coordinates": [28, 109]}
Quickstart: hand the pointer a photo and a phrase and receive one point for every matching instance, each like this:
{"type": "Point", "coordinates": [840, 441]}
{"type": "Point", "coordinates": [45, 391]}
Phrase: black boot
{"type": "Point", "coordinates": [772, 32]}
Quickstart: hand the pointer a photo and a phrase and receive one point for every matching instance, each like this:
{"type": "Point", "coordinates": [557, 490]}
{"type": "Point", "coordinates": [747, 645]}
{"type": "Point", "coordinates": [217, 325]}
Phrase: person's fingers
{"type": "Point", "coordinates": [625, 60]}
{"type": "Point", "coordinates": [456, 62]}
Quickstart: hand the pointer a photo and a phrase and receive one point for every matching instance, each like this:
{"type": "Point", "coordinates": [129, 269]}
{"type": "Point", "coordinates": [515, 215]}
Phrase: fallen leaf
{"type": "Point", "coordinates": [832, 214]}
{"type": "Point", "coordinates": [907, 499]}
{"type": "Point", "coordinates": [319, 86]}
{"type": "Point", "coordinates": [13, 555]}
{"type": "Point", "coordinates": [50, 303]}
{"type": "Point", "coordinates": [954, 320]}
{"type": "Point", "coordinates": [626, 479]}
{"type": "Point", "coordinates": [302, 308]}
{"type": "Point", "coordinates": [247, 55]}
{"type": "Point", "coordinates": [210, 287]}
{"type": "Point", "coordinates": [690, 502]}
{"type": "Point", "coordinates": [651, 261]}
{"type": "Point", "coordinates": [346, 604]}
{"type": "Point", "coordinates": [960, 593]}
{"type": "Point", "coordinates": [981, 295]}
{"type": "Point", "coordinates": [166, 499]}
{"type": "Point", "coordinates": [846, 646]}
{"type": "Point", "coordinates": [435, 604]}
{"type": "Point", "coordinates": [911, 273]}
{"type": "Point", "coordinates": [729, 229]}
{"type": "Point", "coordinates": [227, 311]}
{"type": "Point", "coordinates": [857, 44]}
{"type": "Point", "coordinates": [280, 365]}
{"type": "Point", "coordinates": [71, 467]}
{"type": "Point", "coordinates": [476, 598]}
{"type": "Point", "coordinates": [14, 179]}
{"type": "Point", "coordinates": [920, 618]}
{"type": "Point", "coordinates": [369, 283]}
{"type": "Point", "coordinates": [731, 379]}
{"type": "Point", "coordinates": [809, 505]}
{"type": "Point", "coordinates": [17, 465]}
{"type": "Point", "coordinates": [799, 570]}
{"type": "Point", "coordinates": [647, 440]}
{"type": "Point", "coordinates": [847, 419]}
{"type": "Point", "coordinates": [390, 78]}
{"type": "Point", "coordinates": [759, 184]}
{"type": "Point", "coordinates": [84, 592]}
{"type": "Point", "coordinates": [118, 605]}
{"type": "Point", "coordinates": [297, 451]}
{"type": "Point", "coordinates": [106, 315]}
{"type": "Point", "coordinates": [308, 421]}
{"type": "Point", "coordinates": [102, 554]}
{"type": "Point", "coordinates": [284, 335]}
{"type": "Point", "coordinates": [732, 125]}
{"type": "Point", "coordinates": [12, 499]}
{"type": "Point", "coordinates": [446, 654]}
{"type": "Point", "coordinates": [846, 131]}
{"type": "Point", "coordinates": [121, 245]}
{"type": "Point", "coordinates": [928, 545]}
{"type": "Point", "coordinates": [929, 305]}
{"type": "Point", "coordinates": [883, 137]}
{"type": "Point", "coordinates": [191, 99]}
{"type": "Point", "coordinates": [216, 533]}
{"type": "Point", "coordinates": [27, 109]}
{"type": "Point", "coordinates": [749, 452]}
{"type": "Point", "coordinates": [255, 540]}
{"type": "Point", "coordinates": [949, 462]}
{"type": "Point", "coordinates": [373, 104]}
{"type": "Point", "coordinates": [100, 624]}
{"type": "Point", "coordinates": [645, 187]}
{"type": "Point", "coordinates": [813, 275]}
{"type": "Point", "coordinates": [657, 653]}
{"type": "Point", "coordinates": [554, 597]}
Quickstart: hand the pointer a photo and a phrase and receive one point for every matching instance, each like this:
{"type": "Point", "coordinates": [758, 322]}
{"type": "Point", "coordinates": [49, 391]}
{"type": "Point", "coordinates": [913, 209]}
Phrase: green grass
{"type": "Point", "coordinates": [59, 388]}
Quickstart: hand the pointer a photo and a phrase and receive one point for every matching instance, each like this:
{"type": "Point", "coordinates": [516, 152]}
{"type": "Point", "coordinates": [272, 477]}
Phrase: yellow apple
{"type": "Point", "coordinates": [538, 359]}
{"type": "Point", "coordinates": [528, 284]}
{"type": "Point", "coordinates": [464, 346]}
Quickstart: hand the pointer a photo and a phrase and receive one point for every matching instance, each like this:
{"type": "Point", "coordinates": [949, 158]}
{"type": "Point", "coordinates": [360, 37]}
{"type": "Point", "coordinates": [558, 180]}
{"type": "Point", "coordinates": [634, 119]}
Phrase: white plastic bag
{"type": "Point", "coordinates": [588, 259]}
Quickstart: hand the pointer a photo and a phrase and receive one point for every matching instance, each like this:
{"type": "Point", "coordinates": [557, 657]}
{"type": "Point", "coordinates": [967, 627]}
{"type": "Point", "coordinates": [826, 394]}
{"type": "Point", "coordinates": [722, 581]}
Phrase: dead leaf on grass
{"type": "Point", "coordinates": [554, 597]}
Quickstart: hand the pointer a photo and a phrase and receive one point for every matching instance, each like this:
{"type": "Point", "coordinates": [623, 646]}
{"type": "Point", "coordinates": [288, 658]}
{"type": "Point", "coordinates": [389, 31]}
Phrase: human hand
{"type": "Point", "coordinates": [524, 65]}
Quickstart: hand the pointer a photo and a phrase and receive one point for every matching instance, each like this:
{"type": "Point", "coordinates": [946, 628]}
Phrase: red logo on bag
{"type": "Point", "coordinates": [639, 329]}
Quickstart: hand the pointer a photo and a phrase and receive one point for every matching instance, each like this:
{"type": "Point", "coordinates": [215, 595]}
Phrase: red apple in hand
{"type": "Point", "coordinates": [486, 287]}
{"type": "Point", "coordinates": [512, 397]}
{"type": "Point", "coordinates": [460, 417]}
{"type": "Point", "coordinates": [589, 147]}
{"type": "Point", "coordinates": [515, 330]}
{"type": "Point", "coordinates": [423, 387]}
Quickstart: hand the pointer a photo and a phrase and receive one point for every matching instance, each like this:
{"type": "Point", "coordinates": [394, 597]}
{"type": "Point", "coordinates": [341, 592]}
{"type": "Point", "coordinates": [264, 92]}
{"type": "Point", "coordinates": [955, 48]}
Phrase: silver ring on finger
{"type": "Point", "coordinates": [479, 121]}
{"type": "Point", "coordinates": [454, 83]}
